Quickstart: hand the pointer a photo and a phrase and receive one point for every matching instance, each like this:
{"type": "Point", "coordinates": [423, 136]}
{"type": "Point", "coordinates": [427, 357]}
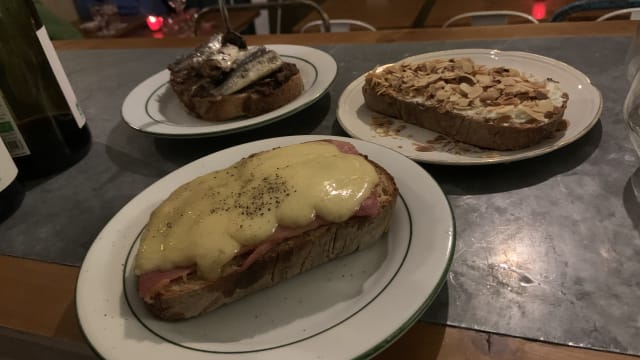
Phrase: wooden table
{"type": "Point", "coordinates": [136, 26]}
{"type": "Point", "coordinates": [37, 310]}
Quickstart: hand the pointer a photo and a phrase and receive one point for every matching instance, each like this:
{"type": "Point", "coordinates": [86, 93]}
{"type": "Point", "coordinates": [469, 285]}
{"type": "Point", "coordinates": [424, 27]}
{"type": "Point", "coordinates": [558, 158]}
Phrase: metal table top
{"type": "Point", "coordinates": [547, 247]}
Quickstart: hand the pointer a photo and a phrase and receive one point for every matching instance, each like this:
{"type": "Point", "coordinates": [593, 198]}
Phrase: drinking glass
{"type": "Point", "coordinates": [631, 111]}
{"type": "Point", "coordinates": [181, 23]}
{"type": "Point", "coordinates": [105, 17]}
{"type": "Point", "coordinates": [178, 6]}
{"type": "Point", "coordinates": [632, 60]}
{"type": "Point", "coordinates": [631, 108]}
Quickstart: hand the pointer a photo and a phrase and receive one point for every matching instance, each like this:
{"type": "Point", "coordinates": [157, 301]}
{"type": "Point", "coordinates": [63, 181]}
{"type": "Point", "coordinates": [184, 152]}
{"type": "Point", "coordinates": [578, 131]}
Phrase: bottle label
{"type": "Point", "coordinates": [9, 133]}
{"type": "Point", "coordinates": [65, 85]}
{"type": "Point", "coordinates": [8, 169]}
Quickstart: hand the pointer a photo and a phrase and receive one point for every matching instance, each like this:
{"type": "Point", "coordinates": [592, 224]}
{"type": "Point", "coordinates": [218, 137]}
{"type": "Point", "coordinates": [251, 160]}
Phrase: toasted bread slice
{"type": "Point", "coordinates": [189, 297]}
{"type": "Point", "coordinates": [494, 108]}
{"type": "Point", "coordinates": [265, 95]}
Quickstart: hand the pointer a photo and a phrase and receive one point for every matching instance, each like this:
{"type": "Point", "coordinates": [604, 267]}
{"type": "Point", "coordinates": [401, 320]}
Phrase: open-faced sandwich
{"type": "Point", "coordinates": [264, 219]}
{"type": "Point", "coordinates": [219, 81]}
{"type": "Point", "coordinates": [496, 108]}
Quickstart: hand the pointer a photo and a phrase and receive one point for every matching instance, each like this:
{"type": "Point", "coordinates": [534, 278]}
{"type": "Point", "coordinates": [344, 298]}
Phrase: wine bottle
{"type": "Point", "coordinates": [11, 192]}
{"type": "Point", "coordinates": [43, 128]}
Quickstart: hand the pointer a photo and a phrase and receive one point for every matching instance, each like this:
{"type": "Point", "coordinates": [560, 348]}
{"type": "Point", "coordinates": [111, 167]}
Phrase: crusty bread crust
{"type": "Point", "coordinates": [242, 104]}
{"type": "Point", "coordinates": [186, 298]}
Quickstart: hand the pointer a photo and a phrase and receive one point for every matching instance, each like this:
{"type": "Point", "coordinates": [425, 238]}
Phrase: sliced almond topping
{"type": "Point", "coordinates": [484, 80]}
{"type": "Point", "coordinates": [429, 66]}
{"type": "Point", "coordinates": [448, 106]}
{"type": "Point", "coordinates": [465, 88]}
{"type": "Point", "coordinates": [426, 80]}
{"type": "Point", "coordinates": [449, 75]}
{"type": "Point", "coordinates": [462, 103]}
{"type": "Point", "coordinates": [508, 100]}
{"type": "Point", "coordinates": [517, 89]}
{"type": "Point", "coordinates": [503, 109]}
{"type": "Point", "coordinates": [440, 65]}
{"type": "Point", "coordinates": [503, 120]}
{"type": "Point", "coordinates": [507, 81]}
{"type": "Point", "coordinates": [475, 92]}
{"type": "Point", "coordinates": [544, 106]}
{"type": "Point", "coordinates": [490, 94]}
{"type": "Point", "coordinates": [482, 70]}
{"type": "Point", "coordinates": [512, 72]}
{"type": "Point", "coordinates": [443, 94]}
{"type": "Point", "coordinates": [538, 84]}
{"type": "Point", "coordinates": [471, 91]}
{"type": "Point", "coordinates": [467, 79]}
{"type": "Point", "coordinates": [437, 86]}
{"type": "Point", "coordinates": [464, 64]}
{"type": "Point", "coordinates": [534, 114]}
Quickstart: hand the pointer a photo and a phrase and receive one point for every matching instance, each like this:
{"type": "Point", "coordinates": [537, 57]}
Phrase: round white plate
{"type": "Point", "coordinates": [583, 110]}
{"type": "Point", "coordinates": [362, 302]}
{"type": "Point", "coordinates": [152, 107]}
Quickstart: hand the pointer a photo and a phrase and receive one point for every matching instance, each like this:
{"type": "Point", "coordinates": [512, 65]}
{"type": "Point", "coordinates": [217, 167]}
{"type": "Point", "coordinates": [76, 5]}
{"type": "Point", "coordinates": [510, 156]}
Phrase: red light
{"type": "Point", "coordinates": [539, 10]}
{"type": "Point", "coordinates": [154, 22]}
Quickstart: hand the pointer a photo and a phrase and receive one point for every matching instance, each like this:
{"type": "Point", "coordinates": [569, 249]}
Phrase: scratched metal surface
{"type": "Point", "coordinates": [548, 248]}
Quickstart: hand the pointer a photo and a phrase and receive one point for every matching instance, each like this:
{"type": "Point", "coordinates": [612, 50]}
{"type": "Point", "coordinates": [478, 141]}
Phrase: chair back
{"type": "Point", "coordinates": [592, 5]}
{"type": "Point", "coordinates": [339, 25]}
{"type": "Point", "coordinates": [484, 18]}
{"type": "Point", "coordinates": [634, 14]}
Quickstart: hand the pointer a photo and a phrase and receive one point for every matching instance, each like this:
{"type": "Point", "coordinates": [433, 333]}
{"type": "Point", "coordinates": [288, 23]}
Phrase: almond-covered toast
{"type": "Point", "coordinates": [496, 108]}
{"type": "Point", "coordinates": [187, 293]}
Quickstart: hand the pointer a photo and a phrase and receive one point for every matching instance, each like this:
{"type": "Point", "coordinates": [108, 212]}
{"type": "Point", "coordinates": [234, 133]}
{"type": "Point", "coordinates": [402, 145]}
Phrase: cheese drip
{"type": "Point", "coordinates": [206, 221]}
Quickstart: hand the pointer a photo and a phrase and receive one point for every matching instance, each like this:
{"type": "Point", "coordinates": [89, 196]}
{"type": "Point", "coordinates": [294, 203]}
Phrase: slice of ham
{"type": "Point", "coordinates": [279, 235]}
{"type": "Point", "coordinates": [344, 147]}
{"type": "Point", "coordinates": [369, 207]}
{"type": "Point", "coordinates": [151, 283]}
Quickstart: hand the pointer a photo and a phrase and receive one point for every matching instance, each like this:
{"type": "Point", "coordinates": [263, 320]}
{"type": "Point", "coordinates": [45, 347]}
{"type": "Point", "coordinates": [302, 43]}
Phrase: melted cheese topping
{"type": "Point", "coordinates": [207, 220]}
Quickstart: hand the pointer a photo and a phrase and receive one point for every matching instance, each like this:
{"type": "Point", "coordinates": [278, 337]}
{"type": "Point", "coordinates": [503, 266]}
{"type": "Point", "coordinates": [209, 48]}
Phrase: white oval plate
{"type": "Point", "coordinates": [583, 110]}
{"type": "Point", "coordinates": [362, 302]}
{"type": "Point", "coordinates": [152, 107]}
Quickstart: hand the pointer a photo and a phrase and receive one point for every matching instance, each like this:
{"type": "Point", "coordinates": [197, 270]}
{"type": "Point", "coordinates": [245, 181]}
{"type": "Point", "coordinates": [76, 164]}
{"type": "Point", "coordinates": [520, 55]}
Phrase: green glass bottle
{"type": "Point", "coordinates": [46, 131]}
